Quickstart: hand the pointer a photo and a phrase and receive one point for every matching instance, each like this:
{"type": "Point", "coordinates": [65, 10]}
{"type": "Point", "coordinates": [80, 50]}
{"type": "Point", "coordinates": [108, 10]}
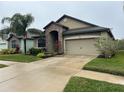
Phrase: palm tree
{"type": "Point", "coordinates": [18, 24]}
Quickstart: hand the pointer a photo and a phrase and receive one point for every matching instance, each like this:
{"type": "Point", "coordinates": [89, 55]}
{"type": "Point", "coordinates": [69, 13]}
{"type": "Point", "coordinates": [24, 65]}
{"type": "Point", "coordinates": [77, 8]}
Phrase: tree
{"type": "Point", "coordinates": [18, 24]}
{"type": "Point", "coordinates": [121, 44]}
{"type": "Point", "coordinates": [107, 46]}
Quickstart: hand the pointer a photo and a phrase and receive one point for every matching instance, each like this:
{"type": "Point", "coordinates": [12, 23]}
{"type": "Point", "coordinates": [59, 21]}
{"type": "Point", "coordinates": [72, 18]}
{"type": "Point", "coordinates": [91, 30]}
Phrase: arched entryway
{"type": "Point", "coordinates": [54, 38]}
{"type": "Point", "coordinates": [54, 41]}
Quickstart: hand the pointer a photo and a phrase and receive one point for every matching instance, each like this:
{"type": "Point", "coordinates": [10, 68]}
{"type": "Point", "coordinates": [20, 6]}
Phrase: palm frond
{"type": "Point", "coordinates": [29, 19]}
{"type": "Point", "coordinates": [8, 19]}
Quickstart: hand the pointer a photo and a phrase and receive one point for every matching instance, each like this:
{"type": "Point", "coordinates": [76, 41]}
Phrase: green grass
{"type": "Point", "coordinates": [2, 65]}
{"type": "Point", "coordinates": [19, 58]}
{"type": "Point", "coordinates": [80, 84]}
{"type": "Point", "coordinates": [114, 65]}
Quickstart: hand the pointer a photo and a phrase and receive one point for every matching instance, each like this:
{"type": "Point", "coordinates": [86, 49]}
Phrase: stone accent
{"type": "Point", "coordinates": [59, 29]}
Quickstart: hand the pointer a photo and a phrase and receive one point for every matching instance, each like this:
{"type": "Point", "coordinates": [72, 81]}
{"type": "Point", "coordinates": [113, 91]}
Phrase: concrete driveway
{"type": "Point", "coordinates": [49, 74]}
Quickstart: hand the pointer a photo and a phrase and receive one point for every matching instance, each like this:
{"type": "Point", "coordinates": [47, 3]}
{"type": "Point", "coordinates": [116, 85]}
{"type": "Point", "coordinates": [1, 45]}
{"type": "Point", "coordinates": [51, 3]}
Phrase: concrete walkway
{"type": "Point", "coordinates": [101, 76]}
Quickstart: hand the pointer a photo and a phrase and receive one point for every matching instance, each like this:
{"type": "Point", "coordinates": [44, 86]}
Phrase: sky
{"type": "Point", "coordinates": [103, 13]}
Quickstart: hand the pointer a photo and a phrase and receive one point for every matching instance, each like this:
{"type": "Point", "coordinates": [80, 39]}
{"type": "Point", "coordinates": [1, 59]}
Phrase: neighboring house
{"type": "Point", "coordinates": [69, 35]}
{"type": "Point", "coordinates": [3, 44]}
{"type": "Point", "coordinates": [33, 39]}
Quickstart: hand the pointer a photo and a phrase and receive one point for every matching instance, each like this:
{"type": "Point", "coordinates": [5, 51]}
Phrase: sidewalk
{"type": "Point", "coordinates": [101, 76]}
{"type": "Point", "coordinates": [8, 63]}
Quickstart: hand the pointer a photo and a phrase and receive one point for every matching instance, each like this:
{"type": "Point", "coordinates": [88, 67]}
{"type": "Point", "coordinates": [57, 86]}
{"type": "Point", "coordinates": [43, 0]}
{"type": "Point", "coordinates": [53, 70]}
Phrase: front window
{"type": "Point", "coordinates": [14, 44]}
{"type": "Point", "coordinates": [41, 42]}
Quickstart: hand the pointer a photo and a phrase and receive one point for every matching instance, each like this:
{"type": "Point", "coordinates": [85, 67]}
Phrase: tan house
{"type": "Point", "coordinates": [69, 35]}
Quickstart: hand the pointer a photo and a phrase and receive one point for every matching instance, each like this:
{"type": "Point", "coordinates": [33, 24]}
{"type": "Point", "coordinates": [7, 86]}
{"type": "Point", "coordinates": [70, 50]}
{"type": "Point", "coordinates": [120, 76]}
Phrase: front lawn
{"type": "Point", "coordinates": [114, 65]}
{"type": "Point", "coordinates": [19, 58]}
{"type": "Point", "coordinates": [80, 84]}
{"type": "Point", "coordinates": [2, 65]}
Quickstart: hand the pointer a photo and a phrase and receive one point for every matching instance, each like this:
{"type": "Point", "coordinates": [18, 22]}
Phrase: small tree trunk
{"type": "Point", "coordinates": [25, 46]}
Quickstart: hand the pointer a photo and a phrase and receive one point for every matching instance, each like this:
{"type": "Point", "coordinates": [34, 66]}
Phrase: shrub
{"type": "Point", "coordinates": [107, 47]}
{"type": "Point", "coordinates": [12, 51]}
{"type": "Point", "coordinates": [8, 51]}
{"type": "Point", "coordinates": [17, 49]}
{"type": "Point", "coordinates": [41, 55]}
{"type": "Point", "coordinates": [35, 51]}
{"type": "Point", "coordinates": [4, 51]}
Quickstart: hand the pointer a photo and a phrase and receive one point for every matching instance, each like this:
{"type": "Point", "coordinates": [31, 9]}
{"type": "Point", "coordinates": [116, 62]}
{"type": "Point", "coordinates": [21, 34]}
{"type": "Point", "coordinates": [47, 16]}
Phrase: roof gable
{"type": "Point", "coordinates": [17, 37]}
{"type": "Point", "coordinates": [52, 22]}
{"type": "Point", "coordinates": [11, 36]}
{"type": "Point", "coordinates": [73, 23]}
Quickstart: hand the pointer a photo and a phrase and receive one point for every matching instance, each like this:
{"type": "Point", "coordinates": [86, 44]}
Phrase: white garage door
{"type": "Point", "coordinates": [81, 46]}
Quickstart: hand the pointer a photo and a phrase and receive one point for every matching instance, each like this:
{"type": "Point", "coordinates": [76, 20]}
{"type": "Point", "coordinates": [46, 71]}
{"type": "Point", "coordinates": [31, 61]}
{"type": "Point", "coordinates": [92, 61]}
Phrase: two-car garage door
{"type": "Point", "coordinates": [81, 46]}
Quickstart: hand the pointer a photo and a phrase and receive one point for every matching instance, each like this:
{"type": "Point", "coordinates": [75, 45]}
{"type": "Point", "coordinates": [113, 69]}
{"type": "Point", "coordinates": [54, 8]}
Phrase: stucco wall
{"type": "Point", "coordinates": [22, 45]}
{"type": "Point", "coordinates": [10, 41]}
{"type": "Point", "coordinates": [72, 24]}
{"type": "Point", "coordinates": [30, 35]}
{"type": "Point", "coordinates": [36, 42]}
{"type": "Point", "coordinates": [29, 44]}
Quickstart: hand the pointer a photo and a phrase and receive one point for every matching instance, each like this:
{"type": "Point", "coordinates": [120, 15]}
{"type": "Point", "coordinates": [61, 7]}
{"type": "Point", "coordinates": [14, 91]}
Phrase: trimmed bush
{"type": "Point", "coordinates": [4, 51]}
{"type": "Point", "coordinates": [41, 55]}
{"type": "Point", "coordinates": [12, 51]}
{"type": "Point", "coordinates": [35, 51]}
{"type": "Point", "coordinates": [8, 51]}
